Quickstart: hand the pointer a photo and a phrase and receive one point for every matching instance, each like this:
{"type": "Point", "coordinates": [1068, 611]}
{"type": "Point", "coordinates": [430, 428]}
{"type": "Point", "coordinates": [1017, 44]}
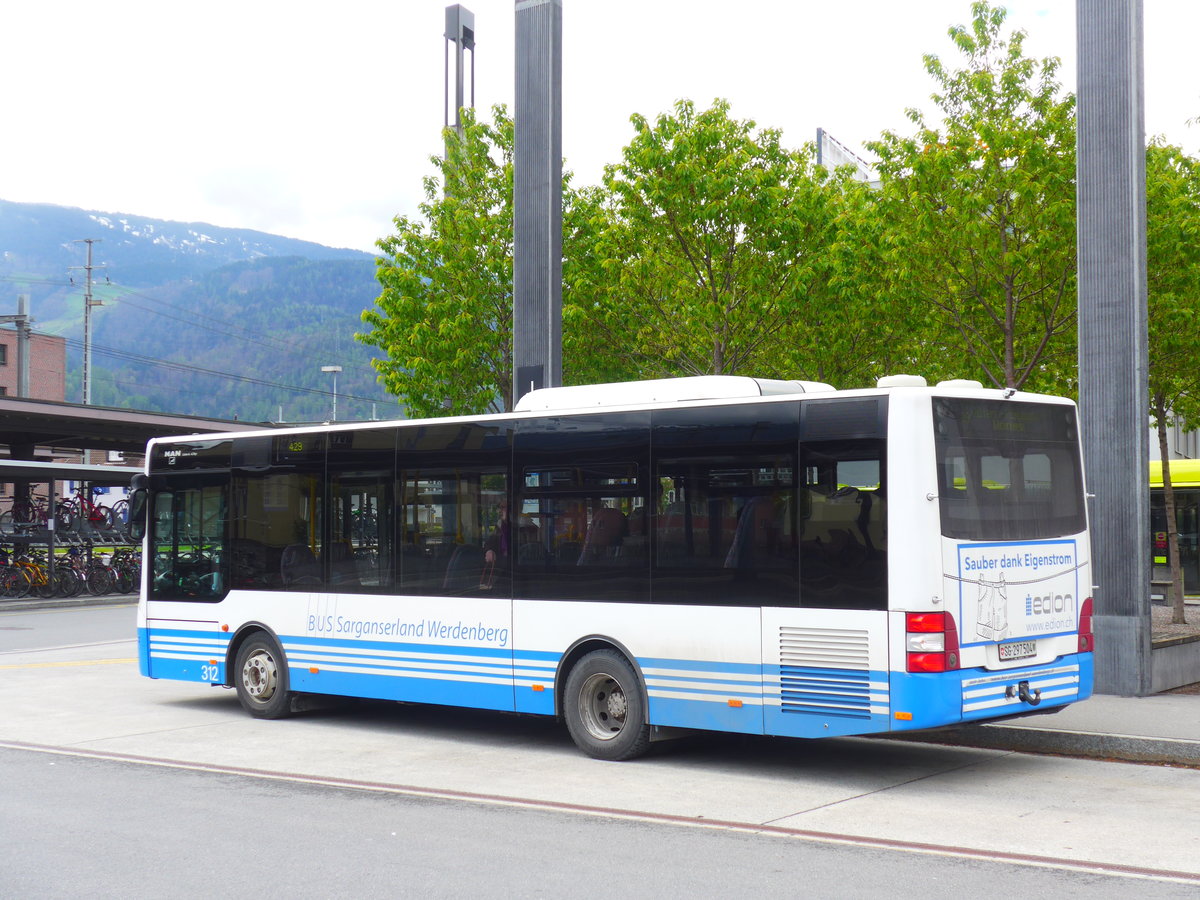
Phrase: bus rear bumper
{"type": "Point", "coordinates": [930, 700]}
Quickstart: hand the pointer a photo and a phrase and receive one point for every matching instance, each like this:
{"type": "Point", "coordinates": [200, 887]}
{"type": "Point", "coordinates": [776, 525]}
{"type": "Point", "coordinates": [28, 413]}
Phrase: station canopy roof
{"type": "Point", "coordinates": [27, 423]}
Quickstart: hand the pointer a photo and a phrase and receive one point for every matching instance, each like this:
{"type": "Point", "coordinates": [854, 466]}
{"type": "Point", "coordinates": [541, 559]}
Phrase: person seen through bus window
{"type": "Point", "coordinates": [497, 552]}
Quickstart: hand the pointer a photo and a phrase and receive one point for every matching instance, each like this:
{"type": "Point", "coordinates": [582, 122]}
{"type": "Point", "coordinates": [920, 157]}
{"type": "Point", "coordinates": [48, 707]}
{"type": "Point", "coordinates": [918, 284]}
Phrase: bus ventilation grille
{"type": "Point", "coordinates": [825, 671]}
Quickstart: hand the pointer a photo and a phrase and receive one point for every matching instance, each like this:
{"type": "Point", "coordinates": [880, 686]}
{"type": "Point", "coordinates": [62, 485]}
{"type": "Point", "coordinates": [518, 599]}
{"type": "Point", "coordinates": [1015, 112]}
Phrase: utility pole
{"type": "Point", "coordinates": [88, 303]}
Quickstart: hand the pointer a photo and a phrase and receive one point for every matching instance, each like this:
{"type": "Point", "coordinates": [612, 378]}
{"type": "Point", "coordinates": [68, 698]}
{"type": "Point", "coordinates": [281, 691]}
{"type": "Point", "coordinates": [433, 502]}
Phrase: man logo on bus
{"type": "Point", "coordinates": [991, 622]}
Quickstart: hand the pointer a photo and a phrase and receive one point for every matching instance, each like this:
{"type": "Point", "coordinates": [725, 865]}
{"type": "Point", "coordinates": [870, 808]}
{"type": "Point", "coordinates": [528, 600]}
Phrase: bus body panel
{"type": "Point", "coordinates": [708, 675]}
{"type": "Point", "coordinates": [913, 518]}
{"type": "Point", "coordinates": [454, 651]}
{"type": "Point", "coordinates": [825, 672]}
{"type": "Point", "coordinates": [184, 650]}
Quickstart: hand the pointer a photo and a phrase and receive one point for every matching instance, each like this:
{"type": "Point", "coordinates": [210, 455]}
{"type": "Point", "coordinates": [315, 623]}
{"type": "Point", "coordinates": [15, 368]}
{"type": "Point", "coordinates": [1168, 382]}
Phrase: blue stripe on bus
{"type": "Point", "coordinates": [700, 665]}
{"type": "Point", "coordinates": [396, 685]}
{"type": "Point", "coordinates": [453, 675]}
{"type": "Point", "coordinates": [381, 668]}
{"type": "Point", "coordinates": [679, 713]}
{"type": "Point", "coordinates": [742, 691]}
{"type": "Point", "coordinates": [143, 639]}
{"type": "Point", "coordinates": [183, 654]}
{"type": "Point", "coordinates": [467, 649]}
{"type": "Point", "coordinates": [346, 656]}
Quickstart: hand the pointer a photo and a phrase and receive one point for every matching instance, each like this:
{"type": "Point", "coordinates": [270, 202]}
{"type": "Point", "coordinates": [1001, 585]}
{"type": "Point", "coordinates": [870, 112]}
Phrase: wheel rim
{"type": "Point", "coordinates": [260, 677]}
{"type": "Point", "coordinates": [603, 706]}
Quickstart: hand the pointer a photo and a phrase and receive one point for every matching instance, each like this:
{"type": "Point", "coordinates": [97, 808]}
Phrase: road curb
{"type": "Point", "coordinates": [1085, 744]}
{"type": "Point", "coordinates": [32, 604]}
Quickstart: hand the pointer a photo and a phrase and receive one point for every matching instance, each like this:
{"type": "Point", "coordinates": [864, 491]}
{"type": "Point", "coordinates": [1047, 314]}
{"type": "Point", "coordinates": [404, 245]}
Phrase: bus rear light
{"type": "Point", "coordinates": [1087, 641]}
{"type": "Point", "coordinates": [927, 662]}
{"type": "Point", "coordinates": [924, 622]}
{"type": "Point", "coordinates": [931, 642]}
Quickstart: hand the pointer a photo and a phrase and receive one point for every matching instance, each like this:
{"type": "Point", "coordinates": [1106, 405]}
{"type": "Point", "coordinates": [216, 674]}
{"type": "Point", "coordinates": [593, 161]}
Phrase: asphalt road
{"type": "Point", "coordinates": [133, 787]}
{"type": "Point", "coordinates": [85, 827]}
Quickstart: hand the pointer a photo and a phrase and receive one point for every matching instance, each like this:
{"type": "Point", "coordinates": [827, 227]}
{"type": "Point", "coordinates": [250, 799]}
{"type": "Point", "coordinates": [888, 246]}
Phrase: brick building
{"type": "Point", "coordinates": [47, 365]}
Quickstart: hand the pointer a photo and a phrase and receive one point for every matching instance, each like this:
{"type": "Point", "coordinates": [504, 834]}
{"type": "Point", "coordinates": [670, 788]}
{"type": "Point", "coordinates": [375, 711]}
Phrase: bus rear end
{"type": "Point", "coordinates": [1004, 628]}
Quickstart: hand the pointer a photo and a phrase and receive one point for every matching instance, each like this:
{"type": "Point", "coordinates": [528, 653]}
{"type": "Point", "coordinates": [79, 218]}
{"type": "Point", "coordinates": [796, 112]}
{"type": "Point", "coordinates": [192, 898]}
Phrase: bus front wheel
{"type": "Point", "coordinates": [261, 679]}
{"type": "Point", "coordinates": [605, 708]}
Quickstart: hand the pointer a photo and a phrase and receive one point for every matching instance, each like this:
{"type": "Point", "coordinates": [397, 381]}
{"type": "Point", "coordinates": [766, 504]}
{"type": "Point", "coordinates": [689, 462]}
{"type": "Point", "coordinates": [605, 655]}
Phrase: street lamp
{"type": "Point", "coordinates": [334, 371]}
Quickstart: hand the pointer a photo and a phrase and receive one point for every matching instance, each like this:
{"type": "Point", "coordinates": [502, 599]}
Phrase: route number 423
{"type": "Point", "coordinates": [210, 673]}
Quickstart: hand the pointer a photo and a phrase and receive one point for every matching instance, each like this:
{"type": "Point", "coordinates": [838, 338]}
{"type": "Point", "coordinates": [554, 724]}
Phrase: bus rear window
{"type": "Point", "coordinates": [1007, 470]}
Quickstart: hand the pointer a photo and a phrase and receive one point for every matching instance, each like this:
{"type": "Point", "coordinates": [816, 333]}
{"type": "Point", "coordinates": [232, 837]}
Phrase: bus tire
{"type": "Point", "coordinates": [605, 708]}
{"type": "Point", "coordinates": [261, 679]}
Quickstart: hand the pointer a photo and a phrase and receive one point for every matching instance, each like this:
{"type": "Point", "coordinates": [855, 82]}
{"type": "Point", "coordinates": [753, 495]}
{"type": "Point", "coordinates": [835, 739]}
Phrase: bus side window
{"type": "Point", "coordinates": [581, 487]}
{"type": "Point", "coordinates": [843, 554]}
{"type": "Point", "coordinates": [726, 529]}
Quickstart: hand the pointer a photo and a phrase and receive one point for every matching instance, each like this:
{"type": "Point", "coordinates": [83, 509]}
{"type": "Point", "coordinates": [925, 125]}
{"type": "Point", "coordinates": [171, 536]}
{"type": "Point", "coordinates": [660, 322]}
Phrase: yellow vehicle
{"type": "Point", "coordinates": [1185, 479]}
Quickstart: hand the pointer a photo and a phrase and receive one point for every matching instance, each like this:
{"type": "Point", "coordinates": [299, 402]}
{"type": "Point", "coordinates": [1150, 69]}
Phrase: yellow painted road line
{"type": "Point", "coordinates": [76, 662]}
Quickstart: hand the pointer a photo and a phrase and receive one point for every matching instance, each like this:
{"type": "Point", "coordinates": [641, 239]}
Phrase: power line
{"type": "Point", "coordinates": [247, 335]}
{"type": "Point", "coordinates": [198, 370]}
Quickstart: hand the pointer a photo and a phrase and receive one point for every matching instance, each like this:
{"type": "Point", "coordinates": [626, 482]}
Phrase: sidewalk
{"type": "Point", "coordinates": [33, 604]}
{"type": "Point", "coordinates": [1163, 728]}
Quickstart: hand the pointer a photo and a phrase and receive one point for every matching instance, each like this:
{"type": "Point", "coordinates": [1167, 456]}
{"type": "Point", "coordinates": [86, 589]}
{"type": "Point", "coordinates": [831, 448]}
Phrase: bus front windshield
{"type": "Point", "coordinates": [1008, 470]}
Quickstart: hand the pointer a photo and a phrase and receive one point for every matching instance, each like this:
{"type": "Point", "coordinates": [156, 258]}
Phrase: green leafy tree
{"type": "Point", "coordinates": [982, 210]}
{"type": "Point", "coordinates": [1173, 282]}
{"type": "Point", "coordinates": [444, 316]}
{"type": "Point", "coordinates": [707, 253]}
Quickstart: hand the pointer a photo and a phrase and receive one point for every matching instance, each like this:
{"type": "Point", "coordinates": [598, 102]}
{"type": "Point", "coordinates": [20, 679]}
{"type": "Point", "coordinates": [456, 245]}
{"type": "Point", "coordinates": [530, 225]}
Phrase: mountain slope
{"type": "Point", "coordinates": [181, 300]}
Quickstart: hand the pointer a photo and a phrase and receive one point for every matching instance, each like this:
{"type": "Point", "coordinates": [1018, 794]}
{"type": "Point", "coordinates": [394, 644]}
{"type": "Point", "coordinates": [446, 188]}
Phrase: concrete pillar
{"type": "Point", "coordinates": [1113, 389]}
{"type": "Point", "coordinates": [537, 197]}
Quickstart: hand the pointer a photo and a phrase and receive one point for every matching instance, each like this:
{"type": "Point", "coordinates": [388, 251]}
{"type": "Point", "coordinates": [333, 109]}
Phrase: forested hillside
{"type": "Point", "coordinates": [197, 319]}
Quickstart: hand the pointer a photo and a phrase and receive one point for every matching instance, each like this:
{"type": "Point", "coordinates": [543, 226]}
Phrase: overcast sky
{"type": "Point", "coordinates": [316, 121]}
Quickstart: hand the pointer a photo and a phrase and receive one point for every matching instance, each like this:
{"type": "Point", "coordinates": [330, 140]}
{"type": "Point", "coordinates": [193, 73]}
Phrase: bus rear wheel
{"type": "Point", "coordinates": [261, 679]}
{"type": "Point", "coordinates": [605, 708]}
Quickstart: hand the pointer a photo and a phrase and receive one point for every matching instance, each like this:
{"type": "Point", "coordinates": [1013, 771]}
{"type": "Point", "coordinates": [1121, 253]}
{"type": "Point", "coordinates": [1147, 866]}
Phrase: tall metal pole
{"type": "Point", "coordinates": [460, 31]}
{"type": "Point", "coordinates": [333, 370]}
{"type": "Point", "coordinates": [537, 198]}
{"type": "Point", "coordinates": [88, 303]}
{"type": "Point", "coordinates": [1113, 358]}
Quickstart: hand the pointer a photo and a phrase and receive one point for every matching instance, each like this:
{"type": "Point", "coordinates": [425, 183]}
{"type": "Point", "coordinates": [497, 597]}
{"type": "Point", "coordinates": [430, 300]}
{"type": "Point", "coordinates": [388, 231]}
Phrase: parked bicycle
{"type": "Point", "coordinates": [127, 567]}
{"type": "Point", "coordinates": [80, 507]}
{"type": "Point", "coordinates": [33, 510]}
{"type": "Point", "coordinates": [28, 573]}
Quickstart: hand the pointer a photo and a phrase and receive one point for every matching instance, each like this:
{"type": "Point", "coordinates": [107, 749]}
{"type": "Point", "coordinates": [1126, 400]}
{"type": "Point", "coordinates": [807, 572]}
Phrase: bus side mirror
{"type": "Point", "coordinates": [137, 507]}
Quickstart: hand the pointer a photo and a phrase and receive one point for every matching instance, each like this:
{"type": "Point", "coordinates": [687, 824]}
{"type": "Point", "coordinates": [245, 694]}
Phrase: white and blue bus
{"type": "Point", "coordinates": [720, 553]}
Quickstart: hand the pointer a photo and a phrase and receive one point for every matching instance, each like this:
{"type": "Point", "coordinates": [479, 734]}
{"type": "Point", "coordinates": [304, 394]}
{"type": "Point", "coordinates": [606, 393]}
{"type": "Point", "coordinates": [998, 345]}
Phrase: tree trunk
{"type": "Point", "coordinates": [1175, 594]}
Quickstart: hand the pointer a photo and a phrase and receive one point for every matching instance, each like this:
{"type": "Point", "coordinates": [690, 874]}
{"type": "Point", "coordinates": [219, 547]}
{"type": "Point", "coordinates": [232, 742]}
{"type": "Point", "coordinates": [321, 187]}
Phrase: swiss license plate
{"type": "Point", "coordinates": [1017, 650]}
